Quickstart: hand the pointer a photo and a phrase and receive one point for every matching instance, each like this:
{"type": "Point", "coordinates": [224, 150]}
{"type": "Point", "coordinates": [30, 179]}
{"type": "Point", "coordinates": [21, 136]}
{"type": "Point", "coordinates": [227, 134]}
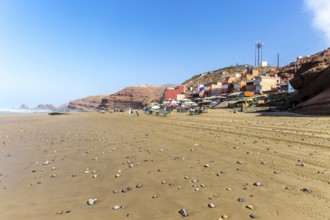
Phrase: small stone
{"type": "Point", "coordinates": [253, 216]}
{"type": "Point", "coordinates": [224, 216]}
{"type": "Point", "coordinates": [206, 165]}
{"type": "Point", "coordinates": [53, 175]}
{"type": "Point", "coordinates": [46, 162]}
{"type": "Point", "coordinates": [155, 196]}
{"type": "Point", "coordinates": [196, 189]}
{"type": "Point", "coordinates": [94, 176]}
{"type": "Point", "coordinates": [53, 168]}
{"type": "Point", "coordinates": [91, 201]}
{"type": "Point", "coordinates": [257, 184]}
{"type": "Point", "coordinates": [163, 182]}
{"type": "Point", "coordinates": [116, 207]}
{"type": "Point", "coordinates": [117, 175]}
{"type": "Point", "coordinates": [194, 181]}
{"type": "Point", "coordinates": [186, 177]}
{"type": "Point", "coordinates": [183, 212]}
{"type": "Point", "coordinates": [306, 190]}
{"type": "Point", "coordinates": [138, 186]}
{"type": "Point", "coordinates": [241, 200]}
{"type": "Point", "coordinates": [131, 165]}
{"type": "Point", "coordinates": [211, 205]}
{"type": "Point", "coordinates": [250, 207]}
{"type": "Point", "coordinates": [229, 189]}
{"type": "Point", "coordinates": [202, 185]}
{"type": "Point", "coordinates": [129, 215]}
{"type": "Point", "coordinates": [179, 187]}
{"type": "Point", "coordinates": [115, 191]}
{"type": "Point", "coordinates": [239, 162]}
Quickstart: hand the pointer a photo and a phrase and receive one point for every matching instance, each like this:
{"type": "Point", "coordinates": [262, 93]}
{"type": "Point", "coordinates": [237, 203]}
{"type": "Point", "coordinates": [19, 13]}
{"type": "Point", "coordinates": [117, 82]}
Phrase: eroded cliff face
{"type": "Point", "coordinates": [130, 97]}
{"type": "Point", "coordinates": [312, 81]}
{"type": "Point", "coordinates": [86, 104]}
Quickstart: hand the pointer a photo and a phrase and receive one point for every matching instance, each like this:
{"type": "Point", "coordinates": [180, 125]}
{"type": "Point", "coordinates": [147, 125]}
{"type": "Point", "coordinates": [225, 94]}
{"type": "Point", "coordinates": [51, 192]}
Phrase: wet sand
{"type": "Point", "coordinates": [47, 164]}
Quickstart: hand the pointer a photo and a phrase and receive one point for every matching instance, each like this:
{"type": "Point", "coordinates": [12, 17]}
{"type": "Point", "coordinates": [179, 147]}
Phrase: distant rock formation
{"type": "Point", "coordinates": [45, 107]}
{"type": "Point", "coordinates": [133, 97]}
{"type": "Point", "coordinates": [86, 104]}
{"type": "Point", "coordinates": [130, 97]}
{"type": "Point", "coordinates": [24, 106]}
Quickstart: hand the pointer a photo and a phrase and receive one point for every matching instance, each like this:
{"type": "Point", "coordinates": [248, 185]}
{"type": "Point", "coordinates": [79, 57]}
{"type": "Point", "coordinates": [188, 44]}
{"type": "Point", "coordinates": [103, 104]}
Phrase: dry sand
{"type": "Point", "coordinates": [219, 149]}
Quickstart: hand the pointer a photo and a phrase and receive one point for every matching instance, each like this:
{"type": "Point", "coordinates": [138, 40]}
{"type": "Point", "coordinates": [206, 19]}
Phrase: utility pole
{"type": "Point", "coordinates": [278, 60]}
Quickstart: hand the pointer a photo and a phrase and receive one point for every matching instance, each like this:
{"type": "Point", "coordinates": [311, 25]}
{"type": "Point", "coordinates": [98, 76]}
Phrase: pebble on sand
{"type": "Point", "coordinates": [306, 190]}
{"type": "Point", "coordinates": [250, 207]}
{"type": "Point", "coordinates": [224, 216]}
{"type": "Point", "coordinates": [91, 201]}
{"type": "Point", "coordinates": [241, 200]}
{"type": "Point", "coordinates": [116, 207]}
{"type": "Point", "coordinates": [211, 205]}
{"type": "Point", "coordinates": [257, 184]}
{"type": "Point", "coordinates": [183, 212]}
{"type": "Point", "coordinates": [253, 216]}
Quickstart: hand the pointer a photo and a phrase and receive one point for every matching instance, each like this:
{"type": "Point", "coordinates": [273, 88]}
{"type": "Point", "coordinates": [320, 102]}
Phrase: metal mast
{"type": "Point", "coordinates": [258, 52]}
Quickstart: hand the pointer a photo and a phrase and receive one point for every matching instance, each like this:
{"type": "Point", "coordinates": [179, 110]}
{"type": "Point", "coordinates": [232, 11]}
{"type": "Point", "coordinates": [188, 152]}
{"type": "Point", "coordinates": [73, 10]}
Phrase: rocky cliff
{"type": "Point", "coordinates": [130, 97]}
{"type": "Point", "coordinates": [86, 104]}
{"type": "Point", "coordinates": [312, 81]}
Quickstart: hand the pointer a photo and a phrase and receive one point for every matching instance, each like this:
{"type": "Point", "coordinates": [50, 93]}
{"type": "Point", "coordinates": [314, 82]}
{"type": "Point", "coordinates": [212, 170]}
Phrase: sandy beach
{"type": "Point", "coordinates": [242, 165]}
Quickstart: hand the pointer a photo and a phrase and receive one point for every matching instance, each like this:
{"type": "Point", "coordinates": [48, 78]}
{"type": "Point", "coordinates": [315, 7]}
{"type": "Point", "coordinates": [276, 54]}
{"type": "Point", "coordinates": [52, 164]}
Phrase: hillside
{"type": "Point", "coordinates": [221, 74]}
{"type": "Point", "coordinates": [89, 103]}
{"type": "Point", "coordinates": [130, 97]}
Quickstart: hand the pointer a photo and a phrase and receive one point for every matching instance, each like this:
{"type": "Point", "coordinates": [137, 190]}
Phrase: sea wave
{"type": "Point", "coordinates": [22, 111]}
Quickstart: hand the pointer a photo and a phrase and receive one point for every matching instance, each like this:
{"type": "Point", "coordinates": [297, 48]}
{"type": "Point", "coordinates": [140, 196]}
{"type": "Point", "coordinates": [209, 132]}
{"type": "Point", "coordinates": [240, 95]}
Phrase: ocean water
{"type": "Point", "coordinates": [21, 111]}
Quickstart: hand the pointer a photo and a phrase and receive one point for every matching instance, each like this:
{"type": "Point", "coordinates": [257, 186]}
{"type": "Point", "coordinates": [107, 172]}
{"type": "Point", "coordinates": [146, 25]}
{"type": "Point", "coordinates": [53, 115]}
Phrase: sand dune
{"type": "Point", "coordinates": [51, 165]}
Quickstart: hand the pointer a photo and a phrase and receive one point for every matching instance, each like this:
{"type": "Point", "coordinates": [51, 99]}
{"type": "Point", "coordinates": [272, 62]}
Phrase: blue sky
{"type": "Point", "coordinates": [55, 51]}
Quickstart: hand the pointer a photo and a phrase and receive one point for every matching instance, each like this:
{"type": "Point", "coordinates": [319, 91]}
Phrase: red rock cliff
{"type": "Point", "coordinates": [133, 97]}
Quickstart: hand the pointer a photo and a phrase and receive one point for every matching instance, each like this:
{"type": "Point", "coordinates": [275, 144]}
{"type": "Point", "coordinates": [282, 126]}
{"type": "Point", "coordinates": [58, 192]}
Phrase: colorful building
{"type": "Point", "coordinates": [172, 93]}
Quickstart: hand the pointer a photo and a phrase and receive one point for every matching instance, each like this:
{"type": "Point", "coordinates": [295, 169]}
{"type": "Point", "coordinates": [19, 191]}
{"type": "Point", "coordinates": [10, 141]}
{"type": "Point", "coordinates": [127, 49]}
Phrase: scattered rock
{"type": "Point", "coordinates": [116, 207]}
{"type": "Point", "coordinates": [224, 216]}
{"type": "Point", "coordinates": [253, 215]}
{"type": "Point", "coordinates": [241, 200]}
{"type": "Point", "coordinates": [211, 205]}
{"type": "Point", "coordinates": [183, 212]}
{"type": "Point", "coordinates": [257, 184]}
{"type": "Point", "coordinates": [91, 201]}
{"type": "Point", "coordinates": [250, 207]}
{"type": "Point", "coordinates": [306, 190]}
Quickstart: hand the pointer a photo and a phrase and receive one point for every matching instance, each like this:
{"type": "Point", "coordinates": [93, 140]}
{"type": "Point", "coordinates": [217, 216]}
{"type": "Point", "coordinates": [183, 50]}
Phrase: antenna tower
{"type": "Point", "coordinates": [258, 53]}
